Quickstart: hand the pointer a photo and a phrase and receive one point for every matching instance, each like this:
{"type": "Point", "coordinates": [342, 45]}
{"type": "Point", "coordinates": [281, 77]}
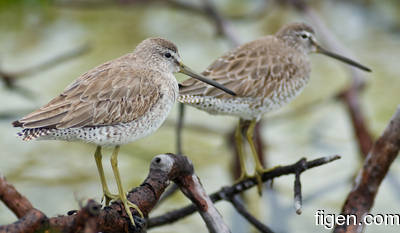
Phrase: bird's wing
{"type": "Point", "coordinates": [107, 95]}
{"type": "Point", "coordinates": [251, 70]}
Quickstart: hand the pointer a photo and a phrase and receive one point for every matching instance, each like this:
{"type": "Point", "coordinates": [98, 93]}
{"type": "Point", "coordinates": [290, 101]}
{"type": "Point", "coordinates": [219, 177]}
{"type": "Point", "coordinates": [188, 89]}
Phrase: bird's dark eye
{"type": "Point", "coordinates": [167, 55]}
{"type": "Point", "coordinates": [304, 36]}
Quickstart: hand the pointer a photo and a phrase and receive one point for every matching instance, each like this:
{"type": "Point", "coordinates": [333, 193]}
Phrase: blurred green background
{"type": "Point", "coordinates": [56, 176]}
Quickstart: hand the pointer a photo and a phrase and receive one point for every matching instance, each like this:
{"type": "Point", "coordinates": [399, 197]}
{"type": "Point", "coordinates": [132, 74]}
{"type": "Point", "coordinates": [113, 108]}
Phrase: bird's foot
{"type": "Point", "coordinates": [108, 197]}
{"type": "Point", "coordinates": [127, 204]}
{"type": "Point", "coordinates": [258, 175]}
{"type": "Point", "coordinates": [243, 175]}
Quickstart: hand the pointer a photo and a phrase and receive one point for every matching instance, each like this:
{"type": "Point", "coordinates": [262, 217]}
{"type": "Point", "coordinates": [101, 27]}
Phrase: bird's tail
{"type": "Point", "coordinates": [31, 134]}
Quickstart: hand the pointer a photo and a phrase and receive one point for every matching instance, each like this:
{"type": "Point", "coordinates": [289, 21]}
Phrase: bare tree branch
{"type": "Point", "coordinates": [361, 198]}
{"type": "Point", "coordinates": [193, 189]}
{"type": "Point", "coordinates": [91, 218]}
{"type": "Point", "coordinates": [298, 200]}
{"type": "Point", "coordinates": [227, 192]}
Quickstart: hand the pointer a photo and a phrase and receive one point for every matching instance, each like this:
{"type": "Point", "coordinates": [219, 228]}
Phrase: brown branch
{"type": "Point", "coordinates": [33, 221]}
{"type": "Point", "coordinates": [17, 203]}
{"type": "Point", "coordinates": [29, 217]}
{"type": "Point", "coordinates": [85, 219]}
{"type": "Point", "coordinates": [361, 198]}
{"type": "Point", "coordinates": [351, 99]}
{"type": "Point", "coordinates": [230, 191]}
{"type": "Point", "coordinates": [191, 186]}
{"type": "Point", "coordinates": [164, 168]}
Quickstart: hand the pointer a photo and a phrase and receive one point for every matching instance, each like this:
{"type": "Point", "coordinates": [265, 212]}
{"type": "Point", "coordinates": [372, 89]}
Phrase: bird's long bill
{"type": "Point", "coordinates": [186, 70]}
{"type": "Point", "coordinates": [341, 58]}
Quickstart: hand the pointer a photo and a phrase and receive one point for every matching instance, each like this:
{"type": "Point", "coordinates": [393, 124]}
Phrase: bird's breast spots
{"type": "Point", "coordinates": [256, 105]}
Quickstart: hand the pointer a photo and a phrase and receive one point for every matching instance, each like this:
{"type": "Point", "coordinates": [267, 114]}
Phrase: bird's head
{"type": "Point", "coordinates": [302, 37]}
{"type": "Point", "coordinates": [162, 54]}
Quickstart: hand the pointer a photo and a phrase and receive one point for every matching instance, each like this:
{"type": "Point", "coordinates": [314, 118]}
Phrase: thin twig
{"type": "Point", "coordinates": [238, 204]}
{"type": "Point", "coordinates": [240, 187]}
{"type": "Point", "coordinates": [298, 201]}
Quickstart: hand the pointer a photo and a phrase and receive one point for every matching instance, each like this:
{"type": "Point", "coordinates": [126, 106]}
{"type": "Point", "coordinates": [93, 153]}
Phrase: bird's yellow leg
{"type": "Point", "coordinates": [259, 169]}
{"type": "Point", "coordinates": [239, 146]}
{"type": "Point", "coordinates": [122, 196]}
{"type": "Point", "coordinates": [107, 195]}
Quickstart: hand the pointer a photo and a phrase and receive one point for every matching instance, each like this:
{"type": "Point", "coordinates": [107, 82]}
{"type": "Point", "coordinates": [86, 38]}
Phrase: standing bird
{"type": "Point", "coordinates": [115, 103]}
{"type": "Point", "coordinates": [265, 74]}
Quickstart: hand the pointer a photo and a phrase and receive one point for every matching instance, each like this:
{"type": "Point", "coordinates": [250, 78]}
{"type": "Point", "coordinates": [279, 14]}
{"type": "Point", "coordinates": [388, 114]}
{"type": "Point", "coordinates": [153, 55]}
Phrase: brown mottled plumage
{"type": "Point", "coordinates": [115, 103]}
{"type": "Point", "coordinates": [248, 69]}
{"type": "Point", "coordinates": [265, 74]}
{"type": "Point", "coordinates": [95, 99]}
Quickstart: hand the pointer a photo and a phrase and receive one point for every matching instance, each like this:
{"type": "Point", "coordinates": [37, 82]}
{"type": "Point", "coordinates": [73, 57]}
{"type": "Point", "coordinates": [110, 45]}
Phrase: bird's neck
{"type": "Point", "coordinates": [291, 42]}
{"type": "Point", "coordinates": [151, 61]}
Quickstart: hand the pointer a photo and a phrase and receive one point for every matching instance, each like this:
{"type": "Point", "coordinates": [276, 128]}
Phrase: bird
{"type": "Point", "coordinates": [266, 74]}
{"type": "Point", "coordinates": [115, 103]}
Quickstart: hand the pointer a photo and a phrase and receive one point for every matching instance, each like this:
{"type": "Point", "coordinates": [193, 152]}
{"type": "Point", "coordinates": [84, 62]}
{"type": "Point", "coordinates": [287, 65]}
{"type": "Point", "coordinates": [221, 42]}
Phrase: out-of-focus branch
{"type": "Point", "coordinates": [208, 10]}
{"type": "Point", "coordinates": [228, 192]}
{"type": "Point", "coordinates": [179, 127]}
{"type": "Point", "coordinates": [361, 198]}
{"type": "Point", "coordinates": [9, 78]}
{"type": "Point", "coordinates": [223, 26]}
{"type": "Point", "coordinates": [351, 98]}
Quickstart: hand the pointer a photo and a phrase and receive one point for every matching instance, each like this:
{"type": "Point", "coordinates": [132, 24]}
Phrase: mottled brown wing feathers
{"type": "Point", "coordinates": [109, 94]}
{"type": "Point", "coordinates": [251, 70]}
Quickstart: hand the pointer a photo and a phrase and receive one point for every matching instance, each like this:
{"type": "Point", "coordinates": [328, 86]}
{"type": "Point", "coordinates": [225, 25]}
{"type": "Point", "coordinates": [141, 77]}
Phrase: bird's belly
{"type": "Point", "coordinates": [128, 132]}
{"type": "Point", "coordinates": [121, 133]}
{"type": "Point", "coordinates": [247, 108]}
